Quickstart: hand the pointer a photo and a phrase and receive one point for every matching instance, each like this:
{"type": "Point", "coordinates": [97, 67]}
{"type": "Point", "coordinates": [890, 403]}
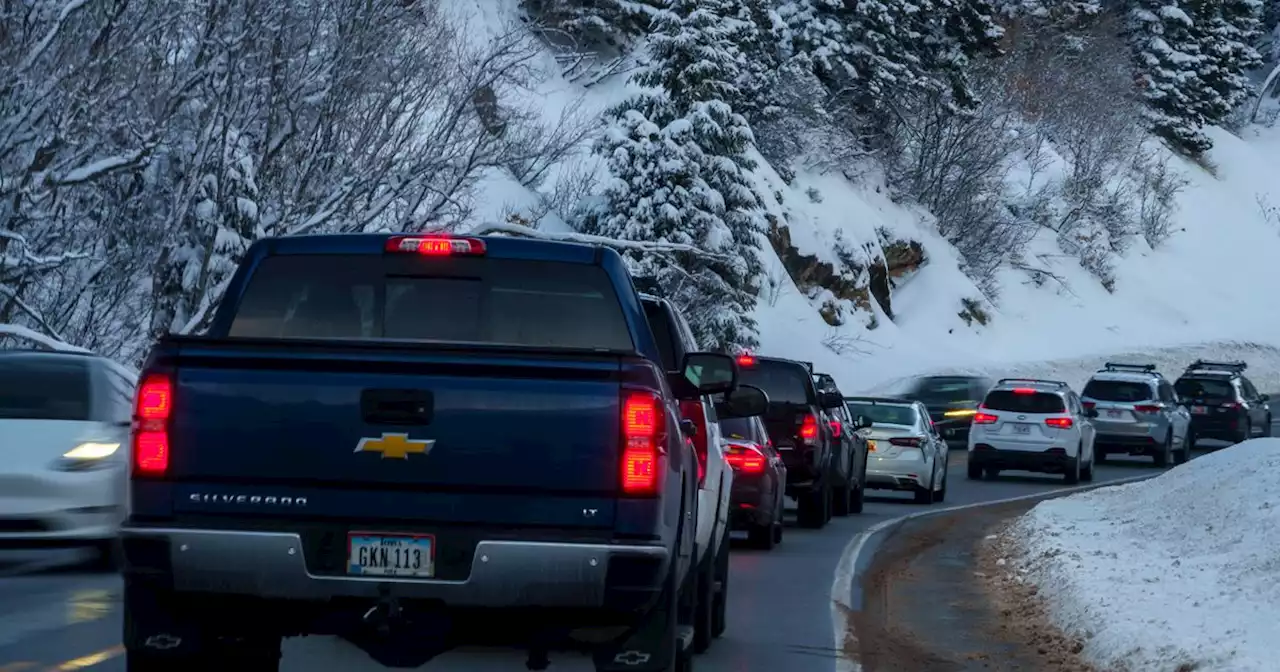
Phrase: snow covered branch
{"type": "Point", "coordinates": [655, 247]}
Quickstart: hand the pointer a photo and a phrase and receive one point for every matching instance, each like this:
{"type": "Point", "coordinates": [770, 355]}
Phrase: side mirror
{"type": "Point", "coordinates": [687, 426]}
{"type": "Point", "coordinates": [830, 400]}
{"type": "Point", "coordinates": [744, 402]}
{"type": "Point", "coordinates": [1264, 398]}
{"type": "Point", "coordinates": [1091, 413]}
{"type": "Point", "coordinates": [704, 373]}
{"type": "Point", "coordinates": [861, 422]}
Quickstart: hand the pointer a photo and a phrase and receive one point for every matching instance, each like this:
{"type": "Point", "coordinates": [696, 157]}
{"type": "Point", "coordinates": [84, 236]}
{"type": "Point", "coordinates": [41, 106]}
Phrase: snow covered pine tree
{"type": "Point", "coordinates": [678, 158]}
{"type": "Point", "coordinates": [1169, 61]}
{"type": "Point", "coordinates": [1226, 31]}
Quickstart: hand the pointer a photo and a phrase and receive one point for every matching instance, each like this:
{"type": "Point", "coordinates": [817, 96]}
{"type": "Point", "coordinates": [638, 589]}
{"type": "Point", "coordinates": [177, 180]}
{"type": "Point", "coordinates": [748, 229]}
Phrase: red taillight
{"type": "Point", "coordinates": [835, 428]}
{"type": "Point", "coordinates": [745, 458]}
{"type": "Point", "coordinates": [641, 428]}
{"type": "Point", "coordinates": [1088, 404]}
{"type": "Point", "coordinates": [907, 441]}
{"type": "Point", "coordinates": [1232, 404]}
{"type": "Point", "coordinates": [1060, 423]}
{"type": "Point", "coordinates": [809, 429]}
{"type": "Point", "coordinates": [1023, 390]}
{"type": "Point", "coordinates": [984, 419]}
{"type": "Point", "coordinates": [746, 359]}
{"type": "Point", "coordinates": [152, 410]}
{"type": "Point", "coordinates": [436, 246]}
{"type": "Point", "coordinates": [692, 411]}
{"type": "Point", "coordinates": [1147, 408]}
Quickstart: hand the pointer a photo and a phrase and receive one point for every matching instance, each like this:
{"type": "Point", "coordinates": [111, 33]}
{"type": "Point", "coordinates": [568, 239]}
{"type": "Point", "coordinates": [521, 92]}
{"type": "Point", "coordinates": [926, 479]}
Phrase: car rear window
{"type": "Point", "coordinates": [1205, 388]}
{"type": "Point", "coordinates": [1118, 390]}
{"type": "Point", "coordinates": [738, 428]}
{"type": "Point", "coordinates": [884, 414]}
{"type": "Point", "coordinates": [1015, 402]}
{"type": "Point", "coordinates": [40, 388]}
{"type": "Point", "coordinates": [783, 382]}
{"type": "Point", "coordinates": [455, 300]}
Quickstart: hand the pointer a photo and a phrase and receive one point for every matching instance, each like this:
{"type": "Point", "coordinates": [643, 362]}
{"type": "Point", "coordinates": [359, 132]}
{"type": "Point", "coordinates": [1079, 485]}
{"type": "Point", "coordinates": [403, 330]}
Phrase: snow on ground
{"type": "Point", "coordinates": [1173, 573]}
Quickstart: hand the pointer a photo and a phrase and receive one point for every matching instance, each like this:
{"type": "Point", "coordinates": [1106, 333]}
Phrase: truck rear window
{"type": "Point", "coordinates": [457, 300]}
{"type": "Point", "coordinates": [1205, 388]}
{"type": "Point", "coordinates": [783, 382]}
{"type": "Point", "coordinates": [1118, 390]}
{"type": "Point", "coordinates": [1039, 402]}
{"type": "Point", "coordinates": [44, 388]}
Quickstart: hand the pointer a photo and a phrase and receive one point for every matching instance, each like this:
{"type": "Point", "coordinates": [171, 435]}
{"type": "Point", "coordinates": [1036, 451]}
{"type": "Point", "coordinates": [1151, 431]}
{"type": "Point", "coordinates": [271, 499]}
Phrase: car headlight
{"type": "Point", "coordinates": [88, 455]}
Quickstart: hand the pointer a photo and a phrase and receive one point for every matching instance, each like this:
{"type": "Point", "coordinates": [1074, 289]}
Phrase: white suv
{"type": "Point", "coordinates": [1032, 425]}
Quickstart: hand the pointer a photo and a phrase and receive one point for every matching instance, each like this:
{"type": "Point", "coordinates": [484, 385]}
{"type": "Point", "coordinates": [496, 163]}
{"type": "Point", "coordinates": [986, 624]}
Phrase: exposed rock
{"type": "Point", "coordinates": [812, 274]}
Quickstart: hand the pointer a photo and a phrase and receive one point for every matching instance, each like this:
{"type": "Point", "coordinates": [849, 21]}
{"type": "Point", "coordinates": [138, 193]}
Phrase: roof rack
{"type": "Point", "coordinates": [1138, 368]}
{"type": "Point", "coordinates": [1234, 367]}
{"type": "Point", "coordinates": [1033, 381]}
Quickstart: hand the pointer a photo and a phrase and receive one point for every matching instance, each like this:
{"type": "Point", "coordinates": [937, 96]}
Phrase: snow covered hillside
{"type": "Point", "coordinates": [1209, 281]}
{"type": "Point", "coordinates": [1175, 572]}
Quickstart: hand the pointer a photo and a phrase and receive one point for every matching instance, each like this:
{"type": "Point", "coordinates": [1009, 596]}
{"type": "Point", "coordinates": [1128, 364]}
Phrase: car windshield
{"type": "Point", "coordinates": [1118, 390]}
{"type": "Point", "coordinates": [783, 382]}
{"type": "Point", "coordinates": [738, 428]}
{"type": "Point", "coordinates": [1021, 402]}
{"type": "Point", "coordinates": [942, 390]}
{"type": "Point", "coordinates": [1205, 388]}
{"type": "Point", "coordinates": [884, 414]}
{"type": "Point", "coordinates": [44, 388]}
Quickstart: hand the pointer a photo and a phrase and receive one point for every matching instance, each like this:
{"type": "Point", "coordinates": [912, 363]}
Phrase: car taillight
{"type": "Point", "coordinates": [153, 408]}
{"type": "Point", "coordinates": [436, 246]}
{"type": "Point", "coordinates": [1233, 404]}
{"type": "Point", "coordinates": [981, 418]}
{"type": "Point", "coordinates": [642, 424]}
{"type": "Point", "coordinates": [908, 441]}
{"type": "Point", "coordinates": [1060, 423]}
{"type": "Point", "coordinates": [1088, 404]}
{"type": "Point", "coordinates": [745, 458]}
{"type": "Point", "coordinates": [809, 429]}
{"type": "Point", "coordinates": [692, 411]}
{"type": "Point", "coordinates": [1147, 408]}
{"type": "Point", "coordinates": [835, 428]}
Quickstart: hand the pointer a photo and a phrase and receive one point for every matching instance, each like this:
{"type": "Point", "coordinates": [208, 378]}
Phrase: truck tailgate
{"type": "Point", "coordinates": [381, 432]}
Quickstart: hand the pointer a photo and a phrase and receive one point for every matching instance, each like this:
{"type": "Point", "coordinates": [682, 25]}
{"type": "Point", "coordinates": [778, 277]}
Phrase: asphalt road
{"type": "Point", "coordinates": [54, 616]}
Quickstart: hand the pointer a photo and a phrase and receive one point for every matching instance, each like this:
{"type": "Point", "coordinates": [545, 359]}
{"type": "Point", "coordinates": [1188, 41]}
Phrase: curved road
{"type": "Point", "coordinates": [54, 616]}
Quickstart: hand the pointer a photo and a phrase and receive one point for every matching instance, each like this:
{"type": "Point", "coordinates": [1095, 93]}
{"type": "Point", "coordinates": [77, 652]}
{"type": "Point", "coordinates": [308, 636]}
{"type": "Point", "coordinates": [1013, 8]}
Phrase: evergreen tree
{"type": "Point", "coordinates": [594, 23]}
{"type": "Point", "coordinates": [1225, 31]}
{"type": "Point", "coordinates": [1168, 63]}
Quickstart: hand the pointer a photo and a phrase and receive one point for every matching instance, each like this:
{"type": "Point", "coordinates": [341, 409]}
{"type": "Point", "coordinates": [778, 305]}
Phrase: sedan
{"type": "Point", "coordinates": [759, 481]}
{"type": "Point", "coordinates": [904, 449]}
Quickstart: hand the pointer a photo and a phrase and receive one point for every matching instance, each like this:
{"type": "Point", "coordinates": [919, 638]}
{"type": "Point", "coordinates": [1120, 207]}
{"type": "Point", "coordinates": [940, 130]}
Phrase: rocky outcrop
{"type": "Point", "coordinates": [812, 275]}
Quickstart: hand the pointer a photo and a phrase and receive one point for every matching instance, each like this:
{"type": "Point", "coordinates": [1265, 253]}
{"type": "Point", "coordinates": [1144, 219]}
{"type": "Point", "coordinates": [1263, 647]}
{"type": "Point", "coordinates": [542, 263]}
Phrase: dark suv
{"type": "Point", "coordinates": [952, 401]}
{"type": "Point", "coordinates": [1224, 404]}
{"type": "Point", "coordinates": [852, 453]}
{"type": "Point", "coordinates": [797, 420]}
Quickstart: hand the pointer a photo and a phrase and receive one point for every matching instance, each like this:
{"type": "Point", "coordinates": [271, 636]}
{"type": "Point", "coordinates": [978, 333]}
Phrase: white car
{"type": "Point", "coordinates": [64, 422]}
{"type": "Point", "coordinates": [904, 450]}
{"type": "Point", "coordinates": [1032, 425]}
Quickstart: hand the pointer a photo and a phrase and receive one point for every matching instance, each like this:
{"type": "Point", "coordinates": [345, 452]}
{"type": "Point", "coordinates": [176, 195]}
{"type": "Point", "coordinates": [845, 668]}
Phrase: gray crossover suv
{"type": "Point", "coordinates": [1138, 414]}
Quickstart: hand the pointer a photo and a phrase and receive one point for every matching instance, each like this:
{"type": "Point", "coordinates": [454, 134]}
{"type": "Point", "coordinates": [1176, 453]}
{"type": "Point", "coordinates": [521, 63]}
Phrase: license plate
{"type": "Point", "coordinates": [370, 554]}
{"type": "Point", "coordinates": [1113, 413]}
{"type": "Point", "coordinates": [1022, 429]}
{"type": "Point", "coordinates": [1199, 410]}
{"type": "Point", "coordinates": [871, 446]}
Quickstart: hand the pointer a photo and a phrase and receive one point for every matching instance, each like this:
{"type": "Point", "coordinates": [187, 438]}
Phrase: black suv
{"type": "Point", "coordinates": [852, 453]}
{"type": "Point", "coordinates": [952, 401]}
{"type": "Point", "coordinates": [797, 420]}
{"type": "Point", "coordinates": [1224, 404]}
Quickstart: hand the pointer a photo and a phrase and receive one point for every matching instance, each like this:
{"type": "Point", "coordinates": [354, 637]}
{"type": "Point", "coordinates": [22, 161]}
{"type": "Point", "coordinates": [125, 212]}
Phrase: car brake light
{"type": "Point", "coordinates": [1088, 404]}
{"type": "Point", "coordinates": [835, 428]}
{"type": "Point", "coordinates": [1060, 423]}
{"type": "Point", "coordinates": [641, 428]}
{"type": "Point", "coordinates": [1147, 408]}
{"type": "Point", "coordinates": [436, 246]}
{"type": "Point", "coordinates": [1024, 390]}
{"type": "Point", "coordinates": [745, 458]}
{"type": "Point", "coordinates": [981, 418]}
{"type": "Point", "coordinates": [908, 441]}
{"type": "Point", "coordinates": [1232, 404]}
{"type": "Point", "coordinates": [152, 410]}
{"type": "Point", "coordinates": [809, 429]}
{"type": "Point", "coordinates": [746, 359]}
{"type": "Point", "coordinates": [692, 411]}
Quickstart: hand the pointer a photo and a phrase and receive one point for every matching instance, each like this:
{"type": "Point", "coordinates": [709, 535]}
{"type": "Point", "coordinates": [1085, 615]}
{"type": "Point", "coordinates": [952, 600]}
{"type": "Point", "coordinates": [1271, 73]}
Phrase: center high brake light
{"type": "Point", "coordinates": [642, 425]}
{"type": "Point", "coordinates": [746, 359]}
{"type": "Point", "coordinates": [153, 408]}
{"type": "Point", "coordinates": [436, 246]}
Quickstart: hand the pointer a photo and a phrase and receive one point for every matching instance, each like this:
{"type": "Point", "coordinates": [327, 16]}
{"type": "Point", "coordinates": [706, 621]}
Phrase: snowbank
{"type": "Point", "coordinates": [1173, 573]}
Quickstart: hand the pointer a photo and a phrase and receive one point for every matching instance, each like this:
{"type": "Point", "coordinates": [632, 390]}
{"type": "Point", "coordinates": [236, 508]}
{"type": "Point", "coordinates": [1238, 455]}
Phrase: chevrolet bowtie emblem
{"type": "Point", "coordinates": [394, 446]}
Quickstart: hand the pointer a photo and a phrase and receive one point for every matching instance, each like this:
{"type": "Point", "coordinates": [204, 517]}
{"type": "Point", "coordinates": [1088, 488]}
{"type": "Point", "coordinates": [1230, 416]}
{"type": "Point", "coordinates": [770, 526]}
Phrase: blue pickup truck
{"type": "Point", "coordinates": [415, 443]}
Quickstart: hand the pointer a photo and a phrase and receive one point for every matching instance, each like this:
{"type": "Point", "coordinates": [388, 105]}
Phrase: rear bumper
{"type": "Point", "coordinates": [1047, 461]}
{"type": "Point", "coordinates": [896, 474]}
{"type": "Point", "coordinates": [503, 574]}
{"type": "Point", "coordinates": [1218, 428]}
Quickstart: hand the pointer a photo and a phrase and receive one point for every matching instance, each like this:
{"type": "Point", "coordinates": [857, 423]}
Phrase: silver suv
{"type": "Point", "coordinates": [1138, 413]}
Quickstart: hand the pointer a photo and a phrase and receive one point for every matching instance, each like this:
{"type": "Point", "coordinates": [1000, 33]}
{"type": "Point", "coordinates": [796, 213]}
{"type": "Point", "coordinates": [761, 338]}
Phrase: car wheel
{"type": "Point", "coordinates": [991, 473]}
{"type": "Point", "coordinates": [1086, 474]}
{"type": "Point", "coordinates": [720, 608]}
{"type": "Point", "coordinates": [1184, 453]}
{"type": "Point", "coordinates": [812, 507]}
{"type": "Point", "coordinates": [941, 496]}
{"type": "Point", "coordinates": [1072, 475]}
{"type": "Point", "coordinates": [1248, 432]}
{"type": "Point", "coordinates": [842, 499]}
{"type": "Point", "coordinates": [1162, 458]}
{"type": "Point", "coordinates": [704, 604]}
{"type": "Point", "coordinates": [858, 499]}
{"type": "Point", "coordinates": [1266, 431]}
{"type": "Point", "coordinates": [761, 537]}
{"type": "Point", "coordinates": [974, 471]}
{"type": "Point", "coordinates": [925, 495]}
{"type": "Point", "coordinates": [106, 555]}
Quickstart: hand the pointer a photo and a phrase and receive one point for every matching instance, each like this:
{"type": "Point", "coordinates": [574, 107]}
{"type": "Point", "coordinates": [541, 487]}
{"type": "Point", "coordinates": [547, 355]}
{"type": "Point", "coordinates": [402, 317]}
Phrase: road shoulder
{"type": "Point", "coordinates": [938, 598]}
